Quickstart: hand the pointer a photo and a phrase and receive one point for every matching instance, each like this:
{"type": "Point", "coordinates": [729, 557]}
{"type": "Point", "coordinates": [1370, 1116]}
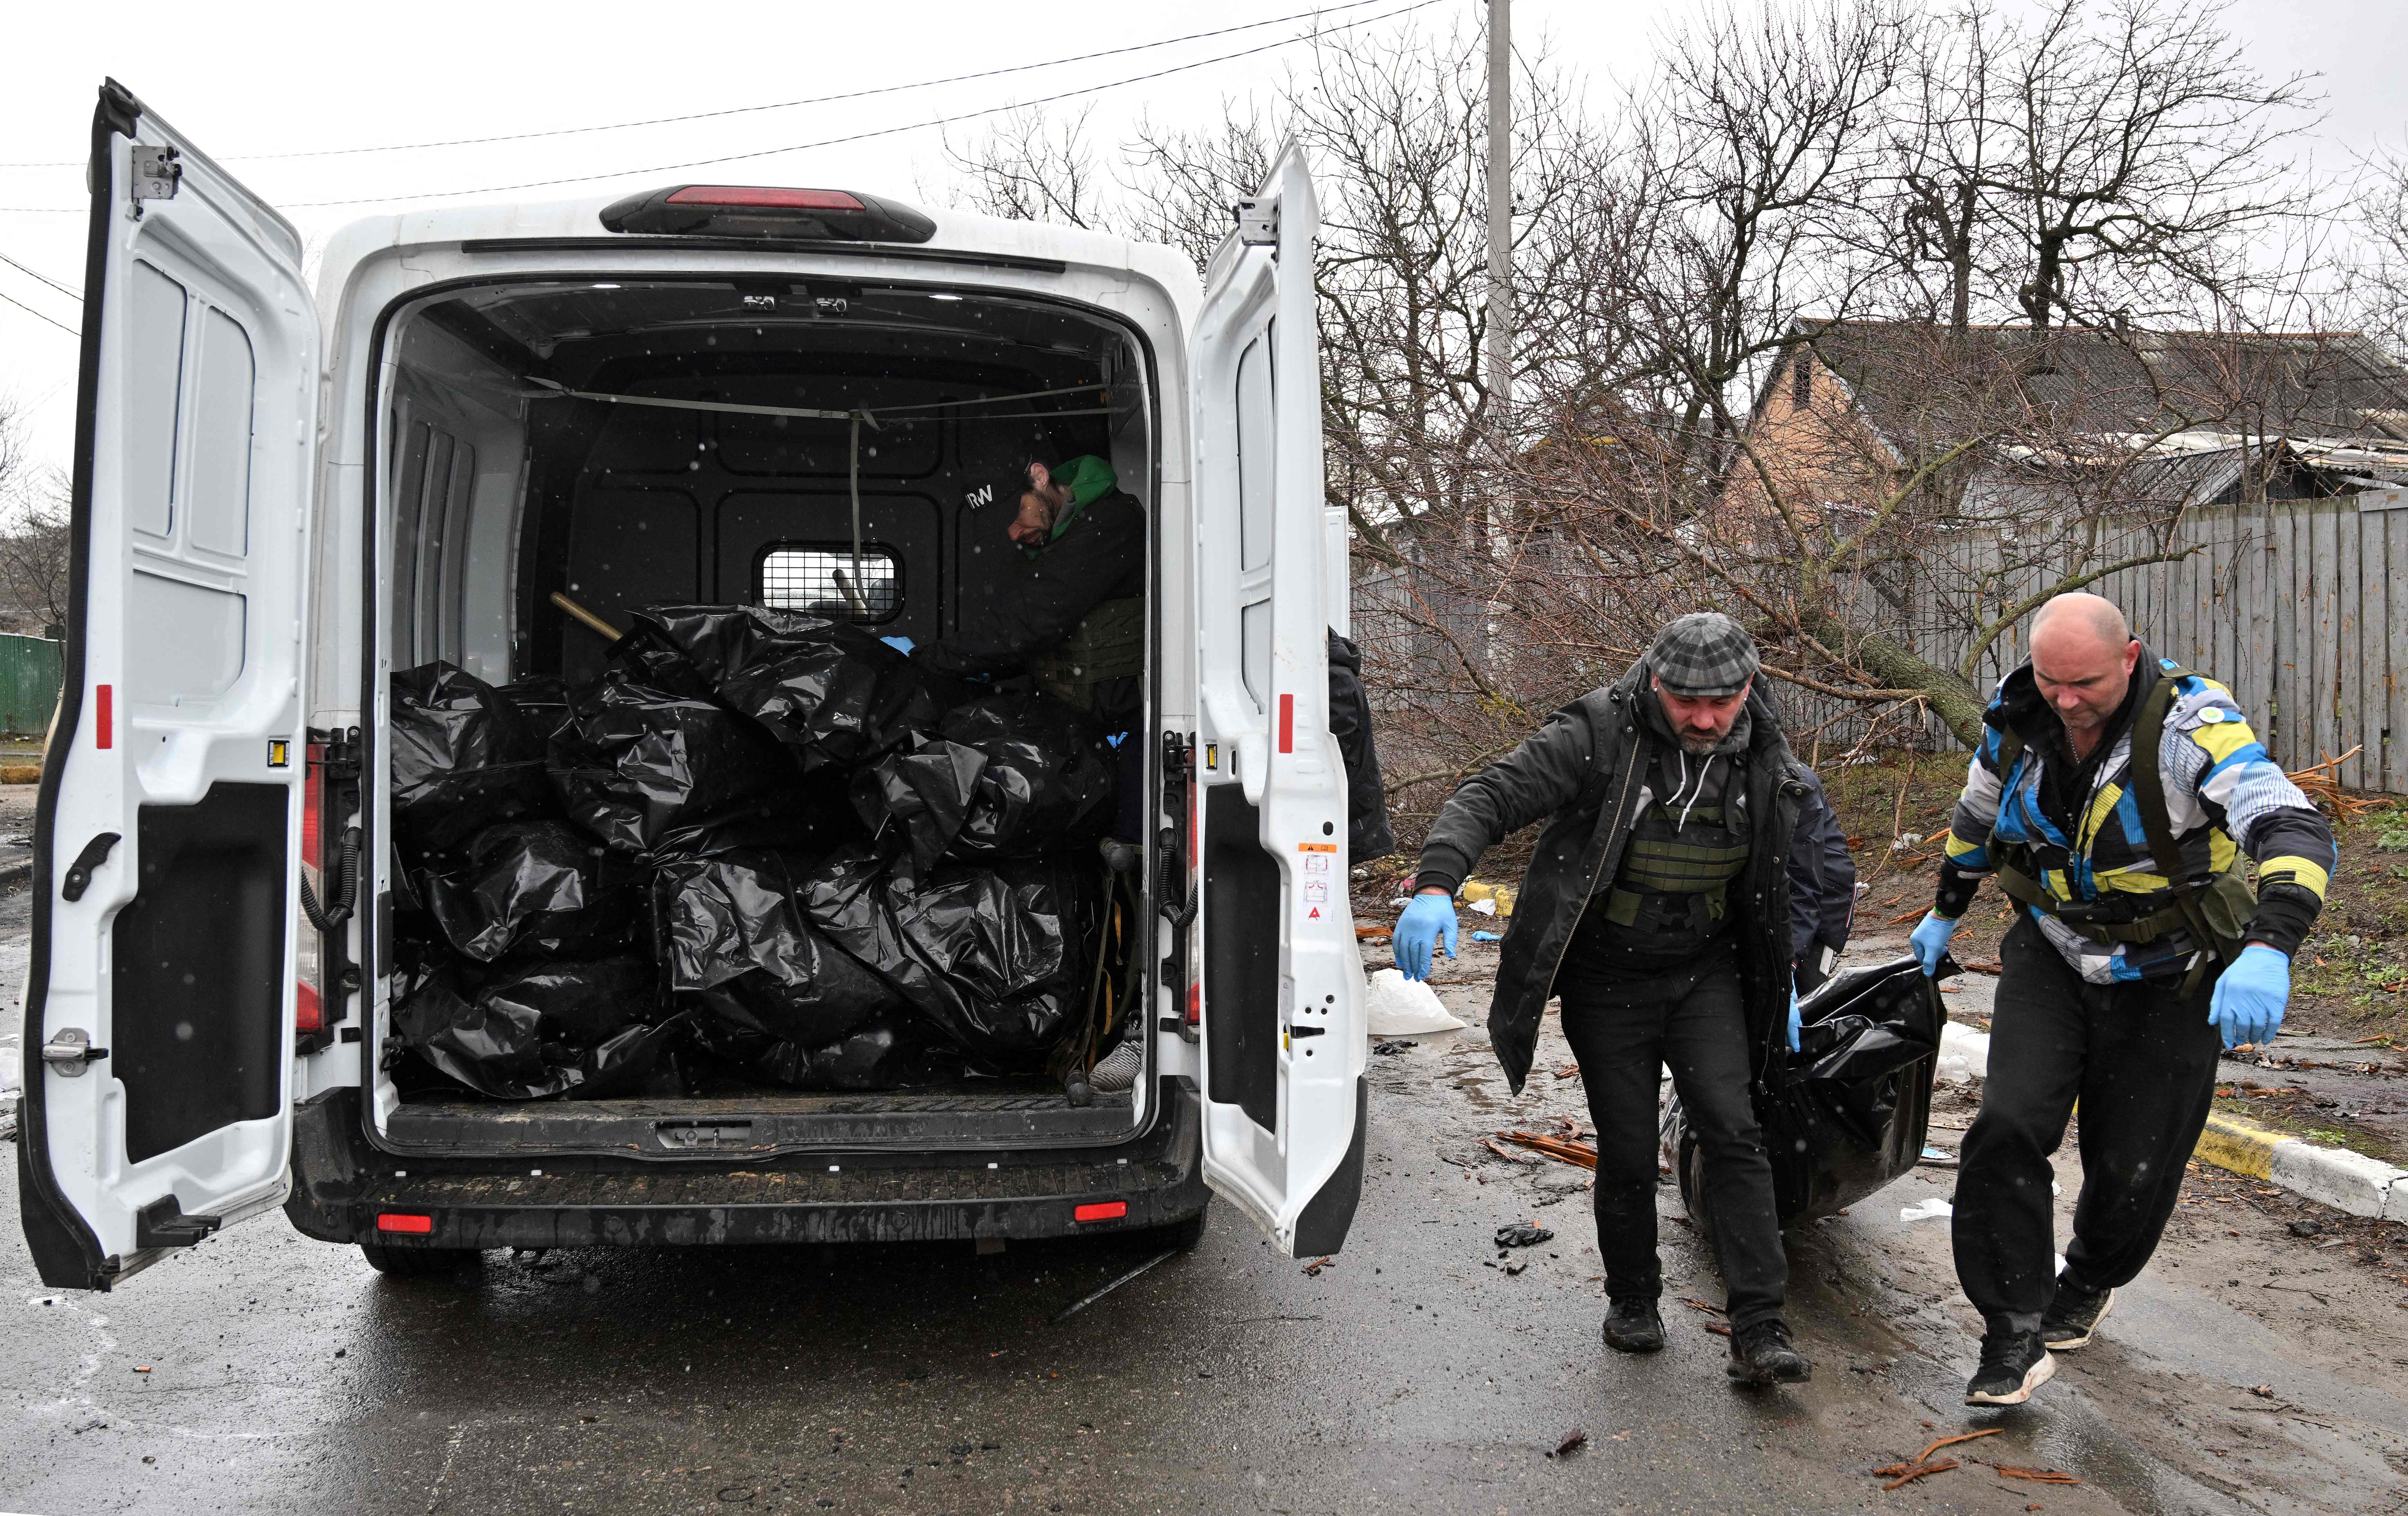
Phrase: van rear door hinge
{"type": "Point", "coordinates": [1258, 222]}
{"type": "Point", "coordinates": [156, 172]}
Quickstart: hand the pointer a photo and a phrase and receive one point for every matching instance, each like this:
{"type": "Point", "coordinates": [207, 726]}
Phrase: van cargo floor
{"type": "Point", "coordinates": [992, 1113]}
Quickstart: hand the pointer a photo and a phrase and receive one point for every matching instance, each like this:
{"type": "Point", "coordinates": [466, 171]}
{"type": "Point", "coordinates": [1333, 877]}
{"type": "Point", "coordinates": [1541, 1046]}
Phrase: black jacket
{"type": "Point", "coordinates": [1585, 768]}
{"type": "Point", "coordinates": [1367, 835]}
{"type": "Point", "coordinates": [1035, 603]}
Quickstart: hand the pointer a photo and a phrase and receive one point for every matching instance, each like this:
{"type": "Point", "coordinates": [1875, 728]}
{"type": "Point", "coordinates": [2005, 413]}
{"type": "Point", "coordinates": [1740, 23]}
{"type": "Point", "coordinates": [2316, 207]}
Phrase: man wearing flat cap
{"type": "Point", "coordinates": [1690, 875]}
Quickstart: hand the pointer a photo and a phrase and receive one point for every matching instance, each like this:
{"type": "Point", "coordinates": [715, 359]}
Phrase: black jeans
{"type": "Point", "coordinates": [2140, 1056]}
{"type": "Point", "coordinates": [1623, 1031]}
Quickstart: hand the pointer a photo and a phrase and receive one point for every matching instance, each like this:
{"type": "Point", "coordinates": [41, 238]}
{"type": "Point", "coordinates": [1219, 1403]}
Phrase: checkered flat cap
{"type": "Point", "coordinates": [1703, 654]}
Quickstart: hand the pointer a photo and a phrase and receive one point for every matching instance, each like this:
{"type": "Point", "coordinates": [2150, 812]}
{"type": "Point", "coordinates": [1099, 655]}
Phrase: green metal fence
{"type": "Point", "coordinates": [30, 670]}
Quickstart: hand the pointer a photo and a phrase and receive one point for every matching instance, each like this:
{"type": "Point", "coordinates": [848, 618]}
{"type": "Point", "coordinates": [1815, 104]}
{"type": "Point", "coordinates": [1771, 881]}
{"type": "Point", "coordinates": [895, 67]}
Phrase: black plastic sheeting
{"type": "Point", "coordinates": [659, 774]}
{"type": "Point", "coordinates": [1848, 1112]}
{"type": "Point", "coordinates": [462, 759]}
{"type": "Point", "coordinates": [1005, 775]}
{"type": "Point", "coordinates": [886, 1053]}
{"type": "Point", "coordinates": [555, 1029]}
{"type": "Point", "coordinates": [733, 939]}
{"type": "Point", "coordinates": [536, 887]}
{"type": "Point", "coordinates": [996, 958]}
{"type": "Point", "coordinates": [831, 691]}
{"type": "Point", "coordinates": [761, 837]}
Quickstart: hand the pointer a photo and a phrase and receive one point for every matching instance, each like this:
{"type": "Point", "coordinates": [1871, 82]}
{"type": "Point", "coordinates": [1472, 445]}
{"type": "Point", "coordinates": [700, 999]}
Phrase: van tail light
{"type": "Point", "coordinates": [309, 998]}
{"type": "Point", "coordinates": [1103, 1210]}
{"type": "Point", "coordinates": [393, 1220]}
{"type": "Point", "coordinates": [767, 212]}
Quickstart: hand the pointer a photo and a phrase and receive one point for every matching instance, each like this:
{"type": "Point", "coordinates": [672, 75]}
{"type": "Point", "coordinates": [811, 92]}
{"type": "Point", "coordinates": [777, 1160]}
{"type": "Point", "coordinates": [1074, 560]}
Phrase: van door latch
{"type": "Point", "coordinates": [79, 876]}
{"type": "Point", "coordinates": [1258, 222]}
{"type": "Point", "coordinates": [156, 172]}
{"type": "Point", "coordinates": [70, 1051]}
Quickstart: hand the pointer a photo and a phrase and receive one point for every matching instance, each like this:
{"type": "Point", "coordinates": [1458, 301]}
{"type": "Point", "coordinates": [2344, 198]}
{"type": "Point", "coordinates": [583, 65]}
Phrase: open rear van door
{"type": "Point", "coordinates": [1281, 993]}
{"type": "Point", "coordinates": [159, 1002]}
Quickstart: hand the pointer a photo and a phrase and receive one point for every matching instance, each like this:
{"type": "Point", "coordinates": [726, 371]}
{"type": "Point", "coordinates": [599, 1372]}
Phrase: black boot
{"type": "Point", "coordinates": [1761, 1354]}
{"type": "Point", "coordinates": [1633, 1326]}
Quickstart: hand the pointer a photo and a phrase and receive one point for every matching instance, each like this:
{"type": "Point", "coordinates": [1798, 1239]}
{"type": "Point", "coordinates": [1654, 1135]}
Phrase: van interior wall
{"type": "Point", "coordinates": [502, 494]}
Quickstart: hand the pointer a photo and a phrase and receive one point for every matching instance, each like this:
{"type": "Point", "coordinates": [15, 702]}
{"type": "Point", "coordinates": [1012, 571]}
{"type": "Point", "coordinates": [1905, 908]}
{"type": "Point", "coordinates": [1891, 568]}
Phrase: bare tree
{"type": "Point", "coordinates": [2142, 142]}
{"type": "Point", "coordinates": [1028, 167]}
{"type": "Point", "coordinates": [33, 537]}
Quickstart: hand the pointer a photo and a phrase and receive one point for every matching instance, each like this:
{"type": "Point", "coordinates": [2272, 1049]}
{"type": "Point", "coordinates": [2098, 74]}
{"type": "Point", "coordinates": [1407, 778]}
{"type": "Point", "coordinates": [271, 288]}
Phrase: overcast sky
{"type": "Point", "coordinates": [267, 78]}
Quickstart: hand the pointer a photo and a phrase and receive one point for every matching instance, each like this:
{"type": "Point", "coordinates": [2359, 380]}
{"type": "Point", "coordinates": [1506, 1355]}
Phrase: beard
{"type": "Point", "coordinates": [1700, 744]}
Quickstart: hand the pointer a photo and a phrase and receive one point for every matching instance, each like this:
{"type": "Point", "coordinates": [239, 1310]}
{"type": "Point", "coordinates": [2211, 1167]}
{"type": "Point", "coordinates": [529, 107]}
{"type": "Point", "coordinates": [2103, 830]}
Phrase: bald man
{"type": "Point", "coordinates": [2113, 796]}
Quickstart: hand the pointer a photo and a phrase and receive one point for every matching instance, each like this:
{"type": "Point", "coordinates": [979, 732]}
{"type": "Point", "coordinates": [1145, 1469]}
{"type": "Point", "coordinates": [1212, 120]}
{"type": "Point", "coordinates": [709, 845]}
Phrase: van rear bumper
{"type": "Point", "coordinates": [343, 1185]}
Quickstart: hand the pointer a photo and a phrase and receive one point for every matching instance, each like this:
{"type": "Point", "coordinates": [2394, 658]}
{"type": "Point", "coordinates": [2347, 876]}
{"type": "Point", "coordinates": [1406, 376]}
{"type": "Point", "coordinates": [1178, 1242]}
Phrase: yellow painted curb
{"type": "Point", "coordinates": [2236, 1144]}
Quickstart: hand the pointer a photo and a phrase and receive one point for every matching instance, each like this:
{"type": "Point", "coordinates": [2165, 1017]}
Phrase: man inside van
{"type": "Point", "coordinates": [1690, 866]}
{"type": "Point", "coordinates": [1071, 608]}
{"type": "Point", "coordinates": [2113, 796]}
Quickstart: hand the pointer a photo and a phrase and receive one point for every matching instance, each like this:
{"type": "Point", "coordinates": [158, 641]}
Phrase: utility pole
{"type": "Point", "coordinates": [1500, 209]}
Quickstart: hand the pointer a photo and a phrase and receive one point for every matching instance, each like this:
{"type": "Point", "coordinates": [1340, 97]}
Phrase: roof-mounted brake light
{"type": "Point", "coordinates": [770, 212]}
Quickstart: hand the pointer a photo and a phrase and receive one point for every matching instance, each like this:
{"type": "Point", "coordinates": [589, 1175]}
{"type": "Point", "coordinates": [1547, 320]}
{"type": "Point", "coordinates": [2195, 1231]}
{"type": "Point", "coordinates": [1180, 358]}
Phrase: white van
{"type": "Point", "coordinates": [278, 503]}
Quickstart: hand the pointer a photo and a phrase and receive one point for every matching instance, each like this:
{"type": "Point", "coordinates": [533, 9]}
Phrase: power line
{"type": "Point", "coordinates": [804, 147]}
{"type": "Point", "coordinates": [38, 316]}
{"type": "Point", "coordinates": [747, 110]}
{"type": "Point", "coordinates": [860, 137]}
{"type": "Point", "coordinates": [33, 273]}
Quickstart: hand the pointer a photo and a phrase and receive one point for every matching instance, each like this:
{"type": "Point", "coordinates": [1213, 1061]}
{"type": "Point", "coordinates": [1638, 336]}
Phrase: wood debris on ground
{"type": "Point", "coordinates": [2319, 783]}
{"type": "Point", "coordinates": [2037, 1476]}
{"type": "Point", "coordinates": [1507, 1154]}
{"type": "Point", "coordinates": [1571, 1071]}
{"type": "Point", "coordinates": [1695, 1304]}
{"type": "Point", "coordinates": [1921, 1467]}
{"type": "Point", "coordinates": [1563, 1150]}
{"type": "Point", "coordinates": [1908, 1473]}
{"type": "Point", "coordinates": [1950, 1442]}
{"type": "Point", "coordinates": [1315, 1267]}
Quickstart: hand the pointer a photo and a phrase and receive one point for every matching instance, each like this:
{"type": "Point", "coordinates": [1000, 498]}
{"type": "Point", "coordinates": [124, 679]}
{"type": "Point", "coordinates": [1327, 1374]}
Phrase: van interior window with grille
{"type": "Point", "coordinates": [828, 581]}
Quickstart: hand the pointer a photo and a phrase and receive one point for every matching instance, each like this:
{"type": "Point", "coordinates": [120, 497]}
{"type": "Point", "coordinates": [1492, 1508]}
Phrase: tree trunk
{"type": "Point", "coordinates": [1955, 702]}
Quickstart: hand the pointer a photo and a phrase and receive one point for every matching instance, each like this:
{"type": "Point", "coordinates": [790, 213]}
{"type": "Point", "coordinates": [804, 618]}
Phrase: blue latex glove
{"type": "Point", "coordinates": [1929, 940]}
{"type": "Point", "coordinates": [2249, 998]}
{"type": "Point", "coordinates": [1426, 919]}
{"type": "Point", "coordinates": [1792, 1019]}
{"type": "Point", "coordinates": [900, 644]}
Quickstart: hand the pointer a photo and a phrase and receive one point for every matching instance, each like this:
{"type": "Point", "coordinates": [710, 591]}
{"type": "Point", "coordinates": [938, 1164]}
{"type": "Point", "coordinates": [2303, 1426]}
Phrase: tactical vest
{"type": "Point", "coordinates": [2216, 917]}
{"type": "Point", "coordinates": [1672, 897]}
{"type": "Point", "coordinates": [1107, 643]}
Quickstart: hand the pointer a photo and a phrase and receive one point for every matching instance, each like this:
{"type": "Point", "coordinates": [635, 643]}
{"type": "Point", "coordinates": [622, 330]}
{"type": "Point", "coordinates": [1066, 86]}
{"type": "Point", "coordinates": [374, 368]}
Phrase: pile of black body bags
{"type": "Point", "coordinates": [763, 844]}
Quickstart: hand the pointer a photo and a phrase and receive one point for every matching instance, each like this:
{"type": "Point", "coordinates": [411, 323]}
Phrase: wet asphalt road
{"type": "Point", "coordinates": [265, 1372]}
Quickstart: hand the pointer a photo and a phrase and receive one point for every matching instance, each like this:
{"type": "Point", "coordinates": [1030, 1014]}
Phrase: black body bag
{"type": "Point", "coordinates": [1847, 1112]}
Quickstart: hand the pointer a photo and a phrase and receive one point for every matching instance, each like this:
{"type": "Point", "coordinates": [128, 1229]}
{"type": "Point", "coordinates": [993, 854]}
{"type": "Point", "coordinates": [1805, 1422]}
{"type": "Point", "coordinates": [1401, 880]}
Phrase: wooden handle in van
{"type": "Point", "coordinates": [595, 623]}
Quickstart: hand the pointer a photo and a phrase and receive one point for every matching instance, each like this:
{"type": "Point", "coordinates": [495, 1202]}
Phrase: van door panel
{"type": "Point", "coordinates": [1242, 959]}
{"type": "Point", "coordinates": [169, 954]}
{"type": "Point", "coordinates": [1280, 995]}
{"type": "Point", "coordinates": [211, 910]}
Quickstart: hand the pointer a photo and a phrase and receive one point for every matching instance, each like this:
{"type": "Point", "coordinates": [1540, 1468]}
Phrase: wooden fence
{"type": "Point", "coordinates": [2300, 606]}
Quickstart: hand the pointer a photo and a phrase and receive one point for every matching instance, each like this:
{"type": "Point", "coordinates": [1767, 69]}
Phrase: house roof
{"type": "Point", "coordinates": [1907, 376]}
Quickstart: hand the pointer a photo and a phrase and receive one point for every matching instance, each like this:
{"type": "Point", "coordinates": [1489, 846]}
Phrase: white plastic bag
{"type": "Point", "coordinates": [1405, 1008]}
{"type": "Point", "coordinates": [1969, 1049]}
